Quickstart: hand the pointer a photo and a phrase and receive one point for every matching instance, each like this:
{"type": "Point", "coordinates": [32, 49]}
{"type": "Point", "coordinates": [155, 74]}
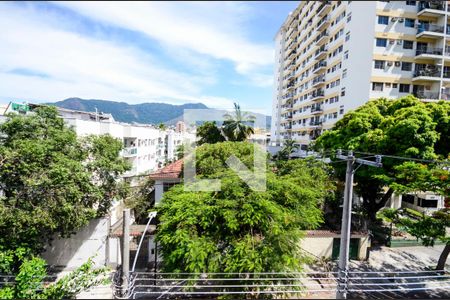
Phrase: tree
{"type": "Point", "coordinates": [180, 151]}
{"type": "Point", "coordinates": [29, 283]}
{"type": "Point", "coordinates": [404, 127]}
{"type": "Point", "coordinates": [208, 133]}
{"type": "Point", "coordinates": [235, 127]}
{"type": "Point", "coordinates": [238, 229]}
{"type": "Point", "coordinates": [162, 126]}
{"type": "Point", "coordinates": [142, 200]}
{"type": "Point", "coordinates": [428, 229]}
{"type": "Point", "coordinates": [289, 148]}
{"type": "Point", "coordinates": [53, 183]}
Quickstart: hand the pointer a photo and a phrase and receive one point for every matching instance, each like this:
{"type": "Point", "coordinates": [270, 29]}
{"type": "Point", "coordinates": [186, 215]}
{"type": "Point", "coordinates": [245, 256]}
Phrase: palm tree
{"type": "Point", "coordinates": [235, 127]}
{"type": "Point", "coordinates": [289, 148]}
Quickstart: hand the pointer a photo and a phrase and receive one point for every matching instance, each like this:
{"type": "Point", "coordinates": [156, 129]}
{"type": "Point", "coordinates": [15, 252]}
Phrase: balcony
{"type": "Point", "coordinates": [430, 31]}
{"type": "Point", "coordinates": [316, 109]}
{"type": "Point", "coordinates": [317, 94]}
{"type": "Point", "coordinates": [324, 9]}
{"type": "Point", "coordinates": [129, 152]}
{"type": "Point", "coordinates": [318, 81]}
{"type": "Point", "coordinates": [431, 8]}
{"type": "Point", "coordinates": [321, 53]}
{"type": "Point", "coordinates": [430, 73]}
{"type": "Point", "coordinates": [315, 123]}
{"type": "Point", "coordinates": [429, 52]}
{"type": "Point", "coordinates": [320, 66]}
{"type": "Point", "coordinates": [323, 23]}
{"type": "Point", "coordinates": [431, 95]}
{"type": "Point", "coordinates": [321, 38]}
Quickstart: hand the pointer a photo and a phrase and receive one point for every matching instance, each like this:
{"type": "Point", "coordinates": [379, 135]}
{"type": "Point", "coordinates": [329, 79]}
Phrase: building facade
{"type": "Point", "coordinates": [333, 56]}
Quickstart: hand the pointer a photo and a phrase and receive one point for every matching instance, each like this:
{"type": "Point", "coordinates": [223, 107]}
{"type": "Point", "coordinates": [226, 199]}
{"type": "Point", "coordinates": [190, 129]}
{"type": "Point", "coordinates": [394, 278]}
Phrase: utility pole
{"type": "Point", "coordinates": [344, 248]}
{"type": "Point", "coordinates": [125, 250]}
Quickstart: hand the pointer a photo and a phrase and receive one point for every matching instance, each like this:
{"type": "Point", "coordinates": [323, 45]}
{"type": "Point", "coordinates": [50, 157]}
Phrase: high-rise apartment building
{"type": "Point", "coordinates": [333, 56]}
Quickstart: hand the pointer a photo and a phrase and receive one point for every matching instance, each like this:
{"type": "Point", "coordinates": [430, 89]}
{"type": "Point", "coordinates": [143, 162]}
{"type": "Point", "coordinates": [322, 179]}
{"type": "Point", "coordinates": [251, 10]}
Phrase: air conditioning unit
{"type": "Point", "coordinates": [391, 42]}
{"type": "Point", "coordinates": [389, 63]}
{"type": "Point", "coordinates": [401, 20]}
{"type": "Point", "coordinates": [393, 19]}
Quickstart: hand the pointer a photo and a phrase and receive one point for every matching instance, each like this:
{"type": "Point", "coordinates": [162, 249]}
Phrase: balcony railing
{"type": "Point", "coordinates": [432, 51]}
{"type": "Point", "coordinates": [318, 79]}
{"type": "Point", "coordinates": [320, 51]}
{"type": "Point", "coordinates": [319, 65]}
{"type": "Point", "coordinates": [431, 73]}
{"type": "Point", "coordinates": [318, 93]}
{"type": "Point", "coordinates": [316, 109]}
{"type": "Point", "coordinates": [129, 151]}
{"type": "Point", "coordinates": [430, 27]}
{"type": "Point", "coordinates": [432, 95]}
{"type": "Point", "coordinates": [315, 123]}
{"type": "Point", "coordinates": [437, 5]}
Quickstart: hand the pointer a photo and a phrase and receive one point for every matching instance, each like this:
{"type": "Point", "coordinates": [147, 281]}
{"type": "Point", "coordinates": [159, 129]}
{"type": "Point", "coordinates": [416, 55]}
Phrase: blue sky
{"type": "Point", "coordinates": [174, 52]}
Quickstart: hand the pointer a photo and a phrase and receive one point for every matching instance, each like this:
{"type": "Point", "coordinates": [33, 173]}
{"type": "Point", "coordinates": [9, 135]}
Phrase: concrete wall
{"type": "Point", "coordinates": [323, 246]}
{"type": "Point", "coordinates": [74, 251]}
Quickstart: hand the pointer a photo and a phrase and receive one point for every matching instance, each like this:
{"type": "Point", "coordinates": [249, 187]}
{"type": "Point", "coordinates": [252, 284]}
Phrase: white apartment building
{"type": "Point", "coordinates": [146, 147]}
{"type": "Point", "coordinates": [333, 56]}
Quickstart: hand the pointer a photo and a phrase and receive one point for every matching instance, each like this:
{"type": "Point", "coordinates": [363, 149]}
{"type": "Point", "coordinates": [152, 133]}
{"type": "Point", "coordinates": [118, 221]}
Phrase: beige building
{"type": "Point", "coordinates": [333, 56]}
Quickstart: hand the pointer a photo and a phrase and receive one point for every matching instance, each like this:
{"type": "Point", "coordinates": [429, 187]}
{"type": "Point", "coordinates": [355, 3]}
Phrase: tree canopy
{"type": "Point", "coordinates": [52, 182]}
{"type": "Point", "coordinates": [209, 133]}
{"type": "Point", "coordinates": [237, 125]}
{"type": "Point", "coordinates": [238, 229]}
{"type": "Point", "coordinates": [404, 127]}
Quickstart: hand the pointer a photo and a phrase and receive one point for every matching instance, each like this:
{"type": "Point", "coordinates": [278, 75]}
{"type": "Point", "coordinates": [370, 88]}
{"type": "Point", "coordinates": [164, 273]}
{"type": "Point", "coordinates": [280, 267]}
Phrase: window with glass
{"type": "Point", "coordinates": [404, 88]}
{"type": "Point", "coordinates": [381, 42]}
{"type": "Point", "coordinates": [409, 22]}
{"type": "Point", "coordinates": [406, 66]}
{"type": "Point", "coordinates": [384, 20]}
{"type": "Point", "coordinates": [379, 64]}
{"type": "Point", "coordinates": [408, 44]}
{"type": "Point", "coordinates": [377, 86]}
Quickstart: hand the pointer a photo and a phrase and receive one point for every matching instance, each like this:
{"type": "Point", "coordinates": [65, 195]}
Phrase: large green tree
{"type": "Point", "coordinates": [52, 182]}
{"type": "Point", "coordinates": [238, 229]}
{"type": "Point", "coordinates": [404, 127]}
{"type": "Point", "coordinates": [209, 133]}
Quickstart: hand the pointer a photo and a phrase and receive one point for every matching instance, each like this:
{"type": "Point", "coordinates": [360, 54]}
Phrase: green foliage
{"type": "Point", "coordinates": [208, 133]}
{"type": "Point", "coordinates": [30, 281]}
{"type": "Point", "coordinates": [237, 229]}
{"type": "Point", "coordinates": [141, 200]}
{"type": "Point", "coordinates": [53, 183]}
{"type": "Point", "coordinates": [180, 151]}
{"type": "Point", "coordinates": [289, 148]}
{"type": "Point", "coordinates": [403, 127]}
{"type": "Point", "coordinates": [236, 126]}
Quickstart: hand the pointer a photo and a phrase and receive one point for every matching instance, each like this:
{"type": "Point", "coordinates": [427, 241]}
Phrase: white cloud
{"type": "Point", "coordinates": [214, 29]}
{"type": "Point", "coordinates": [85, 67]}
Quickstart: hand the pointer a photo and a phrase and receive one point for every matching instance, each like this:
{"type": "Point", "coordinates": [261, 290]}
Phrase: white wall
{"type": "Point", "coordinates": [74, 251]}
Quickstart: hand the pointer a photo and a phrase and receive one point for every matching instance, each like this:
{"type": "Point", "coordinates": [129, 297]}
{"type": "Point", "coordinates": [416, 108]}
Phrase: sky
{"type": "Point", "coordinates": [216, 53]}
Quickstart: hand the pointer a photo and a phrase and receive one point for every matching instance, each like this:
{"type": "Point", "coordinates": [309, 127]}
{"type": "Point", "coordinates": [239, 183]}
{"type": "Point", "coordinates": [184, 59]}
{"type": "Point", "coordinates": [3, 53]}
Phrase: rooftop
{"type": "Point", "coordinates": [171, 171]}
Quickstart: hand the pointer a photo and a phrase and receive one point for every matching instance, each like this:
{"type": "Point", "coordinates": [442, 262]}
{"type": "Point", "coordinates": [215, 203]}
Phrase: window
{"type": "Point", "coordinates": [408, 44]}
{"type": "Point", "coordinates": [413, 3]}
{"type": "Point", "coordinates": [347, 36]}
{"type": "Point", "coordinates": [346, 54]}
{"type": "Point", "coordinates": [383, 20]}
{"type": "Point", "coordinates": [404, 88]}
{"type": "Point", "coordinates": [406, 66]}
{"type": "Point", "coordinates": [394, 85]}
{"type": "Point", "coordinates": [379, 64]}
{"type": "Point", "coordinates": [349, 17]}
{"type": "Point", "coordinates": [344, 73]}
{"type": "Point", "coordinates": [382, 42]}
{"type": "Point", "coordinates": [377, 86]}
{"type": "Point", "coordinates": [409, 22]}
{"type": "Point", "coordinates": [343, 92]}
{"type": "Point", "coordinates": [341, 111]}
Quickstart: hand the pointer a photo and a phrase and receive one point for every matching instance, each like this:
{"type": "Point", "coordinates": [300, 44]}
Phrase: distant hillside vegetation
{"type": "Point", "coordinates": [145, 113]}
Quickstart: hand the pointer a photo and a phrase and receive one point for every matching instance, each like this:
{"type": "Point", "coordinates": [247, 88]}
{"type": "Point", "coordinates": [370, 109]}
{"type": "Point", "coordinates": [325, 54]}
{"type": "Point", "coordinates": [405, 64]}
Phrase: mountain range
{"type": "Point", "coordinates": [145, 113]}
